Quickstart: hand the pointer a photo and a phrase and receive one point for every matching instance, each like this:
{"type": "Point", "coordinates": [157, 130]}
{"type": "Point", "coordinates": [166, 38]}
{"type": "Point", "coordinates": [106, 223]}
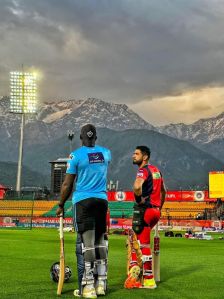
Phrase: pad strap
{"type": "Point", "coordinates": [146, 258]}
{"type": "Point", "coordinates": [88, 277]}
{"type": "Point", "coordinates": [84, 249]}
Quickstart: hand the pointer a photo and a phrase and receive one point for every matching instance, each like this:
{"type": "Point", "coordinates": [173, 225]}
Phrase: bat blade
{"type": "Point", "coordinates": [62, 259]}
{"type": "Point", "coordinates": [156, 254]}
{"type": "Point", "coordinates": [133, 245]}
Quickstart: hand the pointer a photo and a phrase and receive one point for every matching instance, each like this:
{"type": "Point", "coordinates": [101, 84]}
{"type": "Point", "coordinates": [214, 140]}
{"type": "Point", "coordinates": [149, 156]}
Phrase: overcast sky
{"type": "Point", "coordinates": [163, 58]}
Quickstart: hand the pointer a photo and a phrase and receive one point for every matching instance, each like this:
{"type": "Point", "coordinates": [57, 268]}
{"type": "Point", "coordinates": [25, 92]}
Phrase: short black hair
{"type": "Point", "coordinates": [144, 149]}
{"type": "Point", "coordinates": [88, 134]}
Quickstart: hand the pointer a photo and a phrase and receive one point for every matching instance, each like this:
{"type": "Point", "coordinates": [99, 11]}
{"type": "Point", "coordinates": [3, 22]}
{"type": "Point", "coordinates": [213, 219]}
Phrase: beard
{"type": "Point", "coordinates": [137, 162]}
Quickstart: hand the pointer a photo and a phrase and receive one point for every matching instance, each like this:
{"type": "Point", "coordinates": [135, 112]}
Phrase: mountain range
{"type": "Point", "coordinates": [207, 134]}
{"type": "Point", "coordinates": [53, 120]}
{"type": "Point", "coordinates": [185, 163]}
{"type": "Point", "coordinates": [202, 131]}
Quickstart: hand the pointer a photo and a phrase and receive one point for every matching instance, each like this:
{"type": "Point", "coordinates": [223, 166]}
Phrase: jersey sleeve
{"type": "Point", "coordinates": [142, 174]}
{"type": "Point", "coordinates": [72, 164]}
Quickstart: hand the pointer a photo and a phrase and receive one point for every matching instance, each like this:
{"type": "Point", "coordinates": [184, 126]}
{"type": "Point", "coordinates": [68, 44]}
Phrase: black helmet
{"type": "Point", "coordinates": [55, 269]}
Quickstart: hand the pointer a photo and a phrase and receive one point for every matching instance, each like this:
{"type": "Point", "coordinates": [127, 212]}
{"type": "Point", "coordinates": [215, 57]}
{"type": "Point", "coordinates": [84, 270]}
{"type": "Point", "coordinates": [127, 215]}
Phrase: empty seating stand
{"type": "Point", "coordinates": [185, 210]}
{"type": "Point", "coordinates": [25, 207]}
{"type": "Point", "coordinates": [121, 209]}
{"type": "Point", "coordinates": [44, 208]}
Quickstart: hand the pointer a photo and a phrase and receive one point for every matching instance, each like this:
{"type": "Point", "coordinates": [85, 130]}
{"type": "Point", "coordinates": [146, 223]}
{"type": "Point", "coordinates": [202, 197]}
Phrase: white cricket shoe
{"type": "Point", "coordinates": [76, 293]}
{"type": "Point", "coordinates": [89, 292]}
{"type": "Point", "coordinates": [100, 291]}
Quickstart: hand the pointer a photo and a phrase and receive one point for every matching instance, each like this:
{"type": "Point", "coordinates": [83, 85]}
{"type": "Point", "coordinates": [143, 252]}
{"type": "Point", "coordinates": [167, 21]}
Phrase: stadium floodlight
{"type": "Point", "coordinates": [23, 101]}
{"type": "Point", "coordinates": [70, 135]}
{"type": "Point", "coordinates": [23, 92]}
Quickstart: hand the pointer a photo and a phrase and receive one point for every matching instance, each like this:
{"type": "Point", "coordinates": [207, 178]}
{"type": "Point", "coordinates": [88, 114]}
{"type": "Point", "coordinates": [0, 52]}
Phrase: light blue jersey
{"type": "Point", "coordinates": [90, 165]}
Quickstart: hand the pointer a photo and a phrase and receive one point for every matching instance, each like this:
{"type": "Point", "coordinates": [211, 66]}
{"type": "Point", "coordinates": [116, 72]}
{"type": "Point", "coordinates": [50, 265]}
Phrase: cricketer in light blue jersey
{"type": "Point", "coordinates": [89, 164]}
{"type": "Point", "coordinates": [87, 167]}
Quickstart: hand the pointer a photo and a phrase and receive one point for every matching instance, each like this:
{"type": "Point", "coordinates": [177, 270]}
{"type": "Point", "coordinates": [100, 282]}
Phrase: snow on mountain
{"type": "Point", "coordinates": [202, 131]}
{"type": "Point", "coordinates": [9, 123]}
{"type": "Point", "coordinates": [50, 112]}
{"type": "Point", "coordinates": [53, 120]}
{"type": "Point", "coordinates": [56, 115]}
{"type": "Point", "coordinates": [45, 136]}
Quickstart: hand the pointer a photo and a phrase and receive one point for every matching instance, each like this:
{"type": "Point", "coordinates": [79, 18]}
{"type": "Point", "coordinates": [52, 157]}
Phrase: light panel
{"type": "Point", "coordinates": [23, 92]}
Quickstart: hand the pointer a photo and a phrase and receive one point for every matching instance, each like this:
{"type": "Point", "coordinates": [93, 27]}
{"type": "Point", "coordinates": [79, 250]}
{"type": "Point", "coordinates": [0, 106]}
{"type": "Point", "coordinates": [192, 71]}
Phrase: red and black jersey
{"type": "Point", "coordinates": [153, 181]}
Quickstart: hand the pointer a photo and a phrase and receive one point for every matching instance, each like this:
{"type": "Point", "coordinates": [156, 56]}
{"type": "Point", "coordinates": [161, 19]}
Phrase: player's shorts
{"type": "Point", "coordinates": [152, 216]}
{"type": "Point", "coordinates": [90, 214]}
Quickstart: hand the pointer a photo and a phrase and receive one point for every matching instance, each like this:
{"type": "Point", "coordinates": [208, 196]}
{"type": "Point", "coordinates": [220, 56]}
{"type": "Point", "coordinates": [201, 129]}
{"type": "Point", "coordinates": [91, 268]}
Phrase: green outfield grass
{"type": "Point", "coordinates": [189, 268]}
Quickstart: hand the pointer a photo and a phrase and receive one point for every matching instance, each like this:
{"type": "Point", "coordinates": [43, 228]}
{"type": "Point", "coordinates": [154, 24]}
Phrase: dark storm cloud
{"type": "Point", "coordinates": [116, 50]}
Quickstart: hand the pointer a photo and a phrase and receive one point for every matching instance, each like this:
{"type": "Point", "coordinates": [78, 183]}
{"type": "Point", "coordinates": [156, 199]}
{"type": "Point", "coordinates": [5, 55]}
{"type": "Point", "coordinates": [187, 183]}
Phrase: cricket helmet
{"type": "Point", "coordinates": [55, 270]}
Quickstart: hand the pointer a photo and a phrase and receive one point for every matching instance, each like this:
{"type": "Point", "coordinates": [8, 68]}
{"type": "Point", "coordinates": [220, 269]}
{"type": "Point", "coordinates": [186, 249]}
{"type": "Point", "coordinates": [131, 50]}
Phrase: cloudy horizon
{"type": "Point", "coordinates": [164, 59]}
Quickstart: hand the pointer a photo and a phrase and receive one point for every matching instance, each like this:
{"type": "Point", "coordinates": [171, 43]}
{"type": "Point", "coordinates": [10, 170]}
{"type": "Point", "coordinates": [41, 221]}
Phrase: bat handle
{"type": "Point", "coordinates": [61, 226]}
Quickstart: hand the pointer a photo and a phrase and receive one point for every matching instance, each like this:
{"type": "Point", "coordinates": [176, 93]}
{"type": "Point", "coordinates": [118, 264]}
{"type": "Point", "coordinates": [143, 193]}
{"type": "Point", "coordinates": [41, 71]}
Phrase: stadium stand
{"type": "Point", "coordinates": [67, 209]}
{"type": "Point", "coordinates": [186, 210]}
{"type": "Point", "coordinates": [121, 209]}
{"type": "Point", "coordinates": [44, 208]}
{"type": "Point", "coordinates": [25, 207]}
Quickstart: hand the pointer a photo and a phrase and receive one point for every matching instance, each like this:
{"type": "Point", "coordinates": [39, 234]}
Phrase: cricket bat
{"type": "Point", "coordinates": [156, 254]}
{"type": "Point", "coordinates": [62, 258]}
{"type": "Point", "coordinates": [133, 244]}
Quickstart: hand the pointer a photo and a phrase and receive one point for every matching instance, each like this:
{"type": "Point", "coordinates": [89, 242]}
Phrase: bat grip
{"type": "Point", "coordinates": [61, 227]}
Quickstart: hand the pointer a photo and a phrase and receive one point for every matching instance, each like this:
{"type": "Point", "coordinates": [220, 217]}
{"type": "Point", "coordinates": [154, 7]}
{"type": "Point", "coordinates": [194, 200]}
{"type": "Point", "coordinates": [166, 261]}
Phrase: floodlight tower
{"type": "Point", "coordinates": [70, 135]}
{"type": "Point", "coordinates": [22, 101]}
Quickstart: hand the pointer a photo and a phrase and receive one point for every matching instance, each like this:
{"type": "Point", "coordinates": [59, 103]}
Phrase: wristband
{"type": "Point", "coordinates": [61, 205]}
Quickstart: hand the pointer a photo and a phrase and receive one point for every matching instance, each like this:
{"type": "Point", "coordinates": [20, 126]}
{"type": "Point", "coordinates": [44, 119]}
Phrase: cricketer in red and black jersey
{"type": "Point", "coordinates": [149, 191]}
{"type": "Point", "coordinates": [149, 186]}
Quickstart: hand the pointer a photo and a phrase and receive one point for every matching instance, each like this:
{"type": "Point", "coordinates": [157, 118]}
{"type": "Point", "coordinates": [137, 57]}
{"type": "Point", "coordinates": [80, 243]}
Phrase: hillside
{"type": "Point", "coordinates": [182, 164]}
{"type": "Point", "coordinates": [29, 178]}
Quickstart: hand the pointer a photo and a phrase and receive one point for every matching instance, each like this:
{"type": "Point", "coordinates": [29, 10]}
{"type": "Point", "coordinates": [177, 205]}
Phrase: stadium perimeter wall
{"type": "Point", "coordinates": [47, 218]}
{"type": "Point", "coordinates": [120, 223]}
